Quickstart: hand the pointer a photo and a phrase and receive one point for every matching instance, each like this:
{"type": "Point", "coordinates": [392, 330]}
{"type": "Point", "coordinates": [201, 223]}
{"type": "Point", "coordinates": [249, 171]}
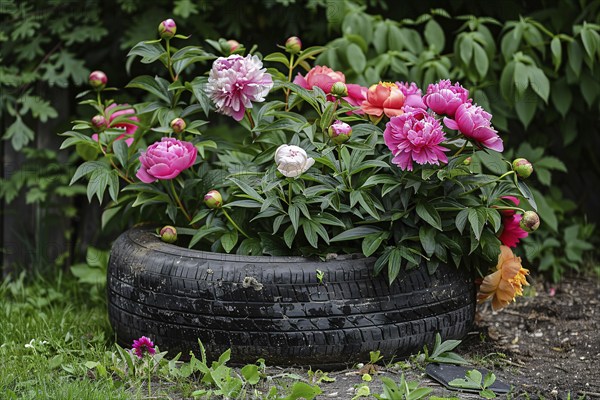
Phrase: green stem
{"type": "Point", "coordinates": [169, 63]}
{"type": "Point", "coordinates": [233, 223]}
{"type": "Point", "coordinates": [461, 149]}
{"type": "Point", "coordinates": [149, 380]}
{"type": "Point", "coordinates": [485, 184]}
{"type": "Point", "coordinates": [287, 91]}
{"type": "Point", "coordinates": [289, 191]}
{"type": "Point", "coordinates": [178, 201]}
{"type": "Point", "coordinates": [509, 208]}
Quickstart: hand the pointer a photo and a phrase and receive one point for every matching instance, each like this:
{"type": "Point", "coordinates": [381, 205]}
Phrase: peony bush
{"type": "Point", "coordinates": [309, 164]}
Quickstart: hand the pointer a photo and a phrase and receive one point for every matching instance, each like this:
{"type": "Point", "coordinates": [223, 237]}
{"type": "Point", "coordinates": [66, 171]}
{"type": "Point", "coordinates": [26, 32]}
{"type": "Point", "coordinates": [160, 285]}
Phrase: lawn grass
{"type": "Point", "coordinates": [48, 331]}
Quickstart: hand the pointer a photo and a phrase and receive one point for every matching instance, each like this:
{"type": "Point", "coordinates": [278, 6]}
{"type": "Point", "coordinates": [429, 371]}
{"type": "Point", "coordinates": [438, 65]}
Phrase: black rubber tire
{"type": "Point", "coordinates": [275, 308]}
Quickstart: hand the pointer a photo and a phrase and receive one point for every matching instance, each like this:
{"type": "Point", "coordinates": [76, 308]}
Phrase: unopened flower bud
{"type": "Point", "coordinates": [340, 132]}
{"type": "Point", "coordinates": [293, 45]}
{"type": "Point", "coordinates": [233, 45]}
{"type": "Point", "coordinates": [522, 167]}
{"type": "Point", "coordinates": [168, 234]}
{"type": "Point", "coordinates": [213, 199]}
{"type": "Point", "coordinates": [530, 221]}
{"type": "Point", "coordinates": [97, 80]}
{"type": "Point", "coordinates": [99, 122]}
{"type": "Point", "coordinates": [178, 125]}
{"type": "Point", "coordinates": [339, 89]}
{"type": "Point", "coordinates": [467, 161]}
{"type": "Point", "coordinates": [167, 29]}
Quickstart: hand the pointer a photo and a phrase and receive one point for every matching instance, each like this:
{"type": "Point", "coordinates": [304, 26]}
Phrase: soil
{"type": "Point", "coordinates": [546, 345]}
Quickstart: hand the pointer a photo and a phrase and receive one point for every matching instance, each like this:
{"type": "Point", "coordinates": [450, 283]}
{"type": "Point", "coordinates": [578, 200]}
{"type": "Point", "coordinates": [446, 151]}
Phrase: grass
{"type": "Point", "coordinates": [48, 331]}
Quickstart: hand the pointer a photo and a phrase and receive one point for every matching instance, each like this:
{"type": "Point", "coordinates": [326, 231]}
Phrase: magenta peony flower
{"type": "Point", "coordinates": [235, 82]}
{"type": "Point", "coordinates": [166, 159]}
{"type": "Point", "coordinates": [128, 127]}
{"type": "Point", "coordinates": [474, 122]}
{"type": "Point", "coordinates": [97, 80]}
{"type": "Point", "coordinates": [412, 96]}
{"type": "Point", "coordinates": [444, 98]}
{"type": "Point", "coordinates": [143, 345]}
{"type": "Point", "coordinates": [339, 132]}
{"type": "Point", "coordinates": [415, 136]}
{"type": "Point", "coordinates": [511, 230]}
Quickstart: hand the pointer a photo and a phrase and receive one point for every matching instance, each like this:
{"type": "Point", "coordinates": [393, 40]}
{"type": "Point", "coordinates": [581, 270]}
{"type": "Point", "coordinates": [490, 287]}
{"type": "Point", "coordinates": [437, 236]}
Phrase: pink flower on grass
{"type": "Point", "coordinates": [143, 345]}
{"type": "Point", "coordinates": [235, 82]}
{"type": "Point", "coordinates": [445, 98]}
{"type": "Point", "coordinates": [474, 122]}
{"type": "Point", "coordinates": [511, 229]}
{"type": "Point", "coordinates": [415, 136]}
{"type": "Point", "coordinates": [122, 124]}
{"type": "Point", "coordinates": [324, 77]}
{"type": "Point", "coordinates": [166, 159]}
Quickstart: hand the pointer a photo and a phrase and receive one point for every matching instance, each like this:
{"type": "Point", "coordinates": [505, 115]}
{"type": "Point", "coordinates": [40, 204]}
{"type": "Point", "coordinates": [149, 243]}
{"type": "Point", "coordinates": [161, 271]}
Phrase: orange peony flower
{"type": "Point", "coordinates": [506, 283]}
{"type": "Point", "coordinates": [385, 97]}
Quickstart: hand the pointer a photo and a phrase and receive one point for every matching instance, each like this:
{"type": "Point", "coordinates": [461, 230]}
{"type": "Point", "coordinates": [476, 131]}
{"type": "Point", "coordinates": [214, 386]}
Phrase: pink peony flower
{"type": "Point", "coordinates": [143, 345]}
{"type": "Point", "coordinates": [321, 76]}
{"type": "Point", "coordinates": [166, 159]}
{"type": "Point", "coordinates": [412, 95]}
{"type": "Point", "coordinates": [128, 127]}
{"type": "Point", "coordinates": [473, 122]}
{"type": "Point", "coordinates": [235, 82]}
{"type": "Point", "coordinates": [415, 136]}
{"type": "Point", "coordinates": [324, 78]}
{"type": "Point", "coordinates": [444, 98]}
{"type": "Point", "coordinates": [511, 230]}
{"type": "Point", "coordinates": [383, 98]}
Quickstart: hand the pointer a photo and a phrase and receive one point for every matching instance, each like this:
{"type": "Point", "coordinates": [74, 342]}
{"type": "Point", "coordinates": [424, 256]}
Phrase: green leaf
{"type": "Point", "coordinates": [575, 57]}
{"type": "Point", "coordinates": [149, 52]}
{"type": "Point", "coordinates": [150, 85]}
{"type": "Point", "coordinates": [202, 232]}
{"type": "Point", "coordinates": [477, 217]}
{"type": "Point", "coordinates": [289, 235]}
{"type": "Point", "coordinates": [427, 238]}
{"type": "Point", "coordinates": [120, 148]}
{"type": "Point", "coordinates": [229, 240]}
{"type": "Point", "coordinates": [540, 83]}
{"type": "Point", "coordinates": [589, 39]}
{"type": "Point", "coordinates": [394, 264]}
{"type": "Point", "coordinates": [356, 58]}
{"type": "Point", "coordinates": [302, 390]}
{"type": "Point", "coordinates": [251, 374]}
{"type": "Point", "coordinates": [19, 134]}
{"type": "Point", "coordinates": [466, 49]}
{"type": "Point", "coordinates": [561, 96]}
{"type": "Point", "coordinates": [526, 192]}
{"type": "Point", "coordinates": [355, 233]}
{"type": "Point", "coordinates": [371, 243]}
{"type": "Point", "coordinates": [556, 48]}
{"type": "Point", "coordinates": [197, 86]}
{"type": "Point", "coordinates": [434, 35]}
{"type": "Point", "coordinates": [278, 57]}
{"type": "Point", "coordinates": [482, 62]}
{"type": "Point", "coordinates": [248, 190]}
{"type": "Point", "coordinates": [184, 8]}
{"type": "Point", "coordinates": [429, 214]}
{"type": "Point", "coordinates": [526, 108]}
{"type": "Point", "coordinates": [521, 77]}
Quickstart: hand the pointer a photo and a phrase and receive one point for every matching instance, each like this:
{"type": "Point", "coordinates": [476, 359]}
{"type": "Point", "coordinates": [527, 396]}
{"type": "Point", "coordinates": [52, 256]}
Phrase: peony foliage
{"type": "Point", "coordinates": [312, 165]}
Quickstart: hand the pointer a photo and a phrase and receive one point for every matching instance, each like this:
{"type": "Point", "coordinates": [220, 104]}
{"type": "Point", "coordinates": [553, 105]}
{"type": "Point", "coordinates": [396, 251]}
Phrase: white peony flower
{"type": "Point", "coordinates": [292, 161]}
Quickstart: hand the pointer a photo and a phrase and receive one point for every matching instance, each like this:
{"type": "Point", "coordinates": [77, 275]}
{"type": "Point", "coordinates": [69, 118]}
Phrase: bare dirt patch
{"type": "Point", "coordinates": [546, 346]}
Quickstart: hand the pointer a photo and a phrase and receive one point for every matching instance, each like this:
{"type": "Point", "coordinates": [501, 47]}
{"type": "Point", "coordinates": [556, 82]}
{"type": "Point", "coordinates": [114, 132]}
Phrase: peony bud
{"type": "Point", "coordinates": [522, 167]}
{"type": "Point", "coordinates": [167, 29]}
{"type": "Point", "coordinates": [168, 234]}
{"type": "Point", "coordinates": [99, 122]}
{"type": "Point", "coordinates": [340, 132]}
{"type": "Point", "coordinates": [467, 161]}
{"type": "Point", "coordinates": [339, 89]}
{"type": "Point", "coordinates": [530, 221]}
{"type": "Point", "coordinates": [98, 80]}
{"type": "Point", "coordinates": [178, 125]}
{"type": "Point", "coordinates": [293, 45]}
{"type": "Point", "coordinates": [233, 45]}
{"type": "Point", "coordinates": [213, 199]}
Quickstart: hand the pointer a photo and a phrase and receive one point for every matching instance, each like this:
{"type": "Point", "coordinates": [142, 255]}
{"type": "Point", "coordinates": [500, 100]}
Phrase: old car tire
{"type": "Point", "coordinates": [275, 307]}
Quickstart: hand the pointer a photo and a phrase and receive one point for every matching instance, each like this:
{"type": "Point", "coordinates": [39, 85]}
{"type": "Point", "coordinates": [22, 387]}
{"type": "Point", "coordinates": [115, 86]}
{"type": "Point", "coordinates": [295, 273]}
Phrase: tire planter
{"type": "Point", "coordinates": [275, 307]}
